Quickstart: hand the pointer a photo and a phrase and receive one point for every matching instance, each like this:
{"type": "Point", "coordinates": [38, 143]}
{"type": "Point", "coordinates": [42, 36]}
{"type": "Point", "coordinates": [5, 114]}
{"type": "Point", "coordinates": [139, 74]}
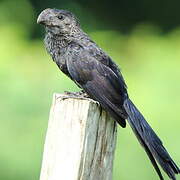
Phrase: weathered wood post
{"type": "Point", "coordinates": [80, 141]}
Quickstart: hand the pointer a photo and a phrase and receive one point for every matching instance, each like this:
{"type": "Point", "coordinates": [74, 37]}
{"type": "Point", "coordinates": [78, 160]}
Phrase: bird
{"type": "Point", "coordinates": [85, 63]}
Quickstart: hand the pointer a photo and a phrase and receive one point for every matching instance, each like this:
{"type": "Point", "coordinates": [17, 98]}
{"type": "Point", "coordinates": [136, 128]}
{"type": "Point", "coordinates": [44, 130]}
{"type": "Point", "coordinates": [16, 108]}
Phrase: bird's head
{"type": "Point", "coordinates": [58, 22]}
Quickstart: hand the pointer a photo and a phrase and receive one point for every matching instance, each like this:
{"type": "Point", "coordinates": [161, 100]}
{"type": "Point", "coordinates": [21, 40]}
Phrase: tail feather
{"type": "Point", "coordinates": [150, 141]}
{"type": "Point", "coordinates": [149, 154]}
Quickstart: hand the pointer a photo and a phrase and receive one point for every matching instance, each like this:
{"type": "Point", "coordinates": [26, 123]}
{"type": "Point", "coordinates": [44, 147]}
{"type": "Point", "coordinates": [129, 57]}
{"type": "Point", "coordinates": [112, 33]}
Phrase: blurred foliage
{"type": "Point", "coordinates": [150, 63]}
{"type": "Point", "coordinates": [120, 14]}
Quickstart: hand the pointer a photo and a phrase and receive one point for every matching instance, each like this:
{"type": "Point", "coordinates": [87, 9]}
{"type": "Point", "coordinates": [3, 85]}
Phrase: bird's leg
{"type": "Point", "coordinates": [78, 95]}
{"type": "Point", "coordinates": [83, 94]}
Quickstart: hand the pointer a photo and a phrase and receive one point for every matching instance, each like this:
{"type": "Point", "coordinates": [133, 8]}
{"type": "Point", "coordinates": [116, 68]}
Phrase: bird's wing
{"type": "Point", "coordinates": [99, 81]}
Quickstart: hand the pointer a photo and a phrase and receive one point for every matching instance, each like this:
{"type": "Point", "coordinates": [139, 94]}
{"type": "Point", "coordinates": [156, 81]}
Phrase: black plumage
{"type": "Point", "coordinates": [94, 71]}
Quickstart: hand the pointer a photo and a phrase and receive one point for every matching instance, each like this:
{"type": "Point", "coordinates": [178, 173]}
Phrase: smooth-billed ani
{"type": "Point", "coordinates": [94, 71]}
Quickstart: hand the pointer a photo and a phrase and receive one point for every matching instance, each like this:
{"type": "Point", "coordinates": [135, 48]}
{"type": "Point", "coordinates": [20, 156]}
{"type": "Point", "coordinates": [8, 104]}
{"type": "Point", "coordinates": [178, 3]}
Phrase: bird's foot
{"type": "Point", "coordinates": [78, 95]}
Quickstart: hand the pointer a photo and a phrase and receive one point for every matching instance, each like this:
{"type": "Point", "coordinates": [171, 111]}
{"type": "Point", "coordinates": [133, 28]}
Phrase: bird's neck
{"type": "Point", "coordinates": [53, 40]}
{"type": "Point", "coordinates": [55, 45]}
{"type": "Point", "coordinates": [58, 43]}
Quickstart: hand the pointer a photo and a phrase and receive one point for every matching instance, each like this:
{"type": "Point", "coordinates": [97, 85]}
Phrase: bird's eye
{"type": "Point", "coordinates": [61, 17]}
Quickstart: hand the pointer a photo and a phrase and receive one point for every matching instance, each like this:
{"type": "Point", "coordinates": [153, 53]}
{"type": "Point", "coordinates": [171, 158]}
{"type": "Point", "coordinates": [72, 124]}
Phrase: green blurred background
{"type": "Point", "coordinates": [143, 37]}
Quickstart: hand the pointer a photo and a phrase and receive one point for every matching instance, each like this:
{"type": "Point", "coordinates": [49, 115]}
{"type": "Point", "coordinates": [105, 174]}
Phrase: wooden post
{"type": "Point", "coordinates": [80, 141]}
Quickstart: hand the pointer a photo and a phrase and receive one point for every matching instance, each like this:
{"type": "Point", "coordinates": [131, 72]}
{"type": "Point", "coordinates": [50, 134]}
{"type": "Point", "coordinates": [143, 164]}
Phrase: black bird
{"type": "Point", "coordinates": [94, 71]}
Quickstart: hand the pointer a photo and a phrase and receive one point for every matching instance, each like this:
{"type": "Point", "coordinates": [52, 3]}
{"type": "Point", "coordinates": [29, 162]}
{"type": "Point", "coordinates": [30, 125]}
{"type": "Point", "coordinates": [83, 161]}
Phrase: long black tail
{"type": "Point", "coordinates": [150, 142]}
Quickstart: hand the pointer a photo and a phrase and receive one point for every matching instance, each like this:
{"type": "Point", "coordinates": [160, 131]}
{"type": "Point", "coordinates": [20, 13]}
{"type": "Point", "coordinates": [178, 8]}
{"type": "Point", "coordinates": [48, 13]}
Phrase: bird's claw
{"type": "Point", "coordinates": [76, 95]}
